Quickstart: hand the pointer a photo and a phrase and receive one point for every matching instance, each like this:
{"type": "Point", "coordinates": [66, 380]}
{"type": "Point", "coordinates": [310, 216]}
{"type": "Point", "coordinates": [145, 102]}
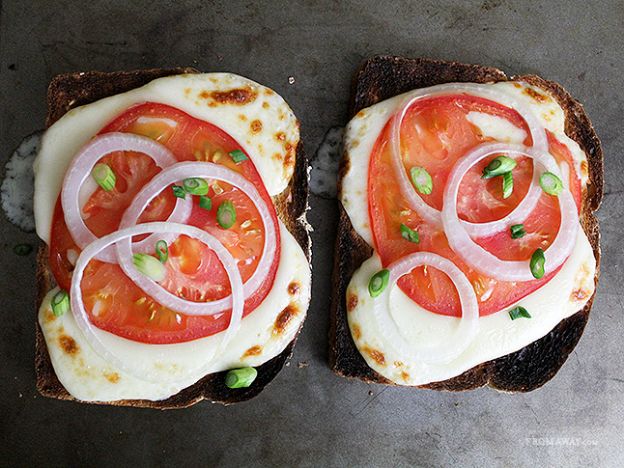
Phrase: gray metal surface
{"type": "Point", "coordinates": [308, 416]}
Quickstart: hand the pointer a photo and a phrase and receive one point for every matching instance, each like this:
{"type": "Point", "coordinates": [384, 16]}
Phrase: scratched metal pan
{"type": "Point", "coordinates": [308, 51]}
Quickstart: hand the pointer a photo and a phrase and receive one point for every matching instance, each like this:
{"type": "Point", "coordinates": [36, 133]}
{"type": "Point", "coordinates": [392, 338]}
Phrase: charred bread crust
{"type": "Point", "coordinates": [75, 89]}
{"type": "Point", "coordinates": [383, 77]}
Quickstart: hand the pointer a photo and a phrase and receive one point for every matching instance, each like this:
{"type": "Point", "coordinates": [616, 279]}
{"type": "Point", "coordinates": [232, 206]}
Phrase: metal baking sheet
{"type": "Point", "coordinates": [308, 52]}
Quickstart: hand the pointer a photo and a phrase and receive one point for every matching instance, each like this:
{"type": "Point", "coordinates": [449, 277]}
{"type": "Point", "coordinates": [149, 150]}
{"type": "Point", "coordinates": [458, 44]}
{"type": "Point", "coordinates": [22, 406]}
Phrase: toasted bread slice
{"type": "Point", "coordinates": [383, 77]}
{"type": "Point", "coordinates": [76, 89]}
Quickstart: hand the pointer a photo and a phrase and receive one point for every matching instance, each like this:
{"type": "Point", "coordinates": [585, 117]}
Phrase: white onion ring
{"type": "Point", "coordinates": [162, 180]}
{"type": "Point", "coordinates": [468, 324]}
{"type": "Point", "coordinates": [479, 258]}
{"type": "Point", "coordinates": [424, 210]}
{"type": "Point", "coordinates": [72, 197]}
{"type": "Point", "coordinates": [90, 252]}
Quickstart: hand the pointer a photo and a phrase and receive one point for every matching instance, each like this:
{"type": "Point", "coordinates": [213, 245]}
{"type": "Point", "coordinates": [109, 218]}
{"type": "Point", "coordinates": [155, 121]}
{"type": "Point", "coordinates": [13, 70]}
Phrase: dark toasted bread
{"type": "Point", "coordinates": [382, 77]}
{"type": "Point", "coordinates": [71, 90]}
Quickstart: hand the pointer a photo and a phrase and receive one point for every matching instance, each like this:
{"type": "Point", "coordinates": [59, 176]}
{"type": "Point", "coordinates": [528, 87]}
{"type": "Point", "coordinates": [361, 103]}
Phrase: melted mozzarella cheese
{"type": "Point", "coordinates": [270, 143]}
{"type": "Point", "coordinates": [496, 127]}
{"type": "Point", "coordinates": [498, 335]}
{"type": "Point", "coordinates": [263, 334]}
{"type": "Point", "coordinates": [565, 294]}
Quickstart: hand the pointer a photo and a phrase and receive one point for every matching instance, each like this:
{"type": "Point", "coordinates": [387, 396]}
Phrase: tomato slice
{"type": "Point", "coordinates": [114, 303]}
{"type": "Point", "coordinates": [435, 134]}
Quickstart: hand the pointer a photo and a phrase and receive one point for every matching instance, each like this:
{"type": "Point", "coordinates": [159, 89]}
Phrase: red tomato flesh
{"type": "Point", "coordinates": [435, 134]}
{"type": "Point", "coordinates": [114, 303]}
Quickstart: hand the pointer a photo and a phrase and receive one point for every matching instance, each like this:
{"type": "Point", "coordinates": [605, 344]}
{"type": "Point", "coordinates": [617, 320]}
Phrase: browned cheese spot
{"type": "Point", "coordinates": [256, 126]}
{"type": "Point", "coordinates": [579, 294]}
{"type": "Point", "coordinates": [538, 97]}
{"type": "Point", "coordinates": [405, 376]}
{"type": "Point", "coordinates": [237, 96]}
{"type": "Point", "coordinates": [112, 377]}
{"type": "Point", "coordinates": [268, 92]}
{"type": "Point", "coordinates": [584, 168]}
{"type": "Point", "coordinates": [289, 159]}
{"type": "Point", "coordinates": [375, 355]}
{"type": "Point", "coordinates": [280, 136]}
{"type": "Point", "coordinates": [294, 288]}
{"type": "Point", "coordinates": [352, 301]}
{"type": "Point", "coordinates": [253, 351]}
{"type": "Point", "coordinates": [284, 317]}
{"type": "Point", "coordinates": [357, 333]}
{"type": "Point", "coordinates": [265, 105]}
{"type": "Point", "coordinates": [398, 364]}
{"type": "Point", "coordinates": [69, 345]}
{"type": "Point", "coordinates": [242, 117]}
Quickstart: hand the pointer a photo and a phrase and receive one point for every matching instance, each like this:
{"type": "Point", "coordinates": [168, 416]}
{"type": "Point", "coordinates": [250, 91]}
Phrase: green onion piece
{"type": "Point", "coordinates": [537, 263]}
{"type": "Point", "coordinates": [517, 231]}
{"type": "Point", "coordinates": [498, 166]}
{"type": "Point", "coordinates": [551, 184]}
{"type": "Point", "coordinates": [104, 176]}
{"type": "Point", "coordinates": [162, 251]}
{"type": "Point", "coordinates": [60, 303]}
{"type": "Point", "coordinates": [22, 249]}
{"type": "Point", "coordinates": [179, 191]}
{"type": "Point", "coordinates": [226, 214]}
{"type": "Point", "coordinates": [421, 180]}
{"type": "Point", "coordinates": [195, 186]}
{"type": "Point", "coordinates": [378, 282]}
{"type": "Point", "coordinates": [149, 266]}
{"type": "Point", "coordinates": [518, 312]}
{"type": "Point", "coordinates": [240, 378]}
{"type": "Point", "coordinates": [507, 184]}
{"type": "Point", "coordinates": [205, 202]}
{"type": "Point", "coordinates": [238, 156]}
{"type": "Point", "coordinates": [409, 234]}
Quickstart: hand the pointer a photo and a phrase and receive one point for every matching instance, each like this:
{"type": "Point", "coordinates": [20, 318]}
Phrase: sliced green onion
{"type": "Point", "coordinates": [205, 202]}
{"type": "Point", "coordinates": [195, 186]}
{"type": "Point", "coordinates": [409, 234]}
{"type": "Point", "coordinates": [507, 184]}
{"type": "Point", "coordinates": [22, 249]}
{"type": "Point", "coordinates": [517, 231]}
{"type": "Point", "coordinates": [240, 378]}
{"type": "Point", "coordinates": [551, 184]}
{"type": "Point", "coordinates": [104, 176]}
{"type": "Point", "coordinates": [518, 312]}
{"type": "Point", "coordinates": [498, 166]}
{"type": "Point", "coordinates": [378, 282]}
{"type": "Point", "coordinates": [226, 214]}
{"type": "Point", "coordinates": [238, 156]}
{"type": "Point", "coordinates": [537, 263]}
{"type": "Point", "coordinates": [179, 191]}
{"type": "Point", "coordinates": [149, 266]}
{"type": "Point", "coordinates": [421, 180]}
{"type": "Point", "coordinates": [60, 303]}
{"type": "Point", "coordinates": [162, 251]}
